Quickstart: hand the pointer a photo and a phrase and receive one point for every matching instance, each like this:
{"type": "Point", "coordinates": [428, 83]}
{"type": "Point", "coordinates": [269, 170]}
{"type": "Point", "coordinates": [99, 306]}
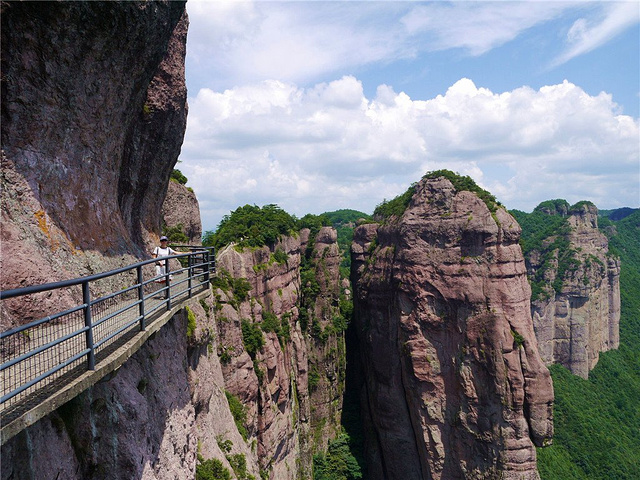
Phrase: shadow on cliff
{"type": "Point", "coordinates": [352, 420]}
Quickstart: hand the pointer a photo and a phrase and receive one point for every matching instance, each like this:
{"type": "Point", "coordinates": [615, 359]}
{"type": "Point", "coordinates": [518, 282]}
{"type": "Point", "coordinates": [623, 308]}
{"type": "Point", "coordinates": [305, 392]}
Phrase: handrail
{"type": "Point", "coordinates": [97, 276]}
{"type": "Point", "coordinates": [50, 350]}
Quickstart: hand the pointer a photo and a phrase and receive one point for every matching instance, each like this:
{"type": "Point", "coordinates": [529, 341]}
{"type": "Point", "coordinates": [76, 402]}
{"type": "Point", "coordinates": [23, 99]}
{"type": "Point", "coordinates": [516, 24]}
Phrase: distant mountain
{"type": "Point", "coordinates": [575, 283]}
{"type": "Point", "coordinates": [346, 216]}
{"type": "Point", "coordinates": [618, 213]}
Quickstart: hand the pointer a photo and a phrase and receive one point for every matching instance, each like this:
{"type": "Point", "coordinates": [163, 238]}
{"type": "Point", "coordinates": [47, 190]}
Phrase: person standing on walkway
{"type": "Point", "coordinates": [163, 250]}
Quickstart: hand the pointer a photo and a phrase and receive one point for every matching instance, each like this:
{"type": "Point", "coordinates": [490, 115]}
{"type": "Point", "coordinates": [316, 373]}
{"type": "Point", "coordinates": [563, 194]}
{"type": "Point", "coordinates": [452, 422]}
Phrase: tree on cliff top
{"type": "Point", "coordinates": [178, 176]}
{"type": "Point", "coordinates": [395, 207]}
{"type": "Point", "coordinates": [252, 226]}
{"type": "Point", "coordinates": [466, 183]}
{"type": "Point", "coordinates": [398, 205]}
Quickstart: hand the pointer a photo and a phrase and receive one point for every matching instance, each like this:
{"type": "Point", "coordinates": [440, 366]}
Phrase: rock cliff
{"type": "Point", "coordinates": [181, 211]}
{"type": "Point", "coordinates": [577, 314]}
{"type": "Point", "coordinates": [236, 390]}
{"type": "Point", "coordinates": [283, 371]}
{"type": "Point", "coordinates": [93, 118]}
{"type": "Point", "coordinates": [454, 386]}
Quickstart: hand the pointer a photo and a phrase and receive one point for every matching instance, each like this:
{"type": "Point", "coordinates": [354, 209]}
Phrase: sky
{"type": "Point", "coordinates": [318, 106]}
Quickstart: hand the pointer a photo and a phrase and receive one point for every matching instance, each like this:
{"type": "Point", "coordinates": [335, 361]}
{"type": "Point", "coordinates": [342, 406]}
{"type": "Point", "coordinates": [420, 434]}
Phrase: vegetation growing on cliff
{"type": "Point", "coordinates": [239, 287]}
{"type": "Point", "coordinates": [211, 469]}
{"type": "Point", "coordinates": [338, 463]}
{"type": "Point", "coordinates": [466, 184]}
{"type": "Point", "coordinates": [239, 413]}
{"type": "Point", "coordinates": [252, 226]}
{"type": "Point", "coordinates": [175, 234]}
{"type": "Point", "coordinates": [395, 207]}
{"type": "Point", "coordinates": [545, 231]}
{"type": "Point", "coordinates": [597, 421]}
{"type": "Point", "coordinates": [271, 323]}
{"type": "Point", "coordinates": [177, 176]}
{"type": "Point", "coordinates": [345, 221]}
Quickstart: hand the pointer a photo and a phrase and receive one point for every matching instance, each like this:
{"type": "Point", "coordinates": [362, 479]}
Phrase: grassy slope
{"type": "Point", "coordinates": [597, 421]}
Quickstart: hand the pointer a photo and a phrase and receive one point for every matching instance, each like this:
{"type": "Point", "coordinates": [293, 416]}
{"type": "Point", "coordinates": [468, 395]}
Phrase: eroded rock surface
{"type": "Point", "coordinates": [287, 417]}
{"type": "Point", "coordinates": [181, 209]}
{"type": "Point", "coordinates": [454, 384]}
{"type": "Point", "coordinates": [139, 422]}
{"type": "Point", "coordinates": [582, 319]}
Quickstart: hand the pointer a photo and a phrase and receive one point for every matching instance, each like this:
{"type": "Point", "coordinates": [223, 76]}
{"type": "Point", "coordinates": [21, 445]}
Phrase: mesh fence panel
{"type": "Point", "coordinates": [56, 349]}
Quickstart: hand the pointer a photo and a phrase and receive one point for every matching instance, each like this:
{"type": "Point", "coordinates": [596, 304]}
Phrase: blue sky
{"type": "Point", "coordinates": [316, 106]}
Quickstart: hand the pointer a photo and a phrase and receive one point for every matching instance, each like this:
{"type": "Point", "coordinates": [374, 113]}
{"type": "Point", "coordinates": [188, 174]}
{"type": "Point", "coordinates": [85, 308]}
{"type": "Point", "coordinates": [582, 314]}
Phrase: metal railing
{"type": "Point", "coordinates": [51, 351]}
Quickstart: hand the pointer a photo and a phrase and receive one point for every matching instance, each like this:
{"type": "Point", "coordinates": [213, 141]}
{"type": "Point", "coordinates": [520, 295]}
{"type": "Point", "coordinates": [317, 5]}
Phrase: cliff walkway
{"type": "Point", "coordinates": [49, 360]}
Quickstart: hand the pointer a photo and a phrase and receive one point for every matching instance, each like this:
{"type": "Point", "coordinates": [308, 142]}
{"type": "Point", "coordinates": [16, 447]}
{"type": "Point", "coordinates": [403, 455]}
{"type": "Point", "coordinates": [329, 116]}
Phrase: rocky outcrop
{"type": "Point", "coordinates": [265, 367]}
{"type": "Point", "coordinates": [580, 318]}
{"type": "Point", "coordinates": [454, 386]}
{"type": "Point", "coordinates": [181, 211]}
{"type": "Point", "coordinates": [93, 117]}
{"type": "Point", "coordinates": [326, 325]}
{"type": "Point", "coordinates": [269, 357]}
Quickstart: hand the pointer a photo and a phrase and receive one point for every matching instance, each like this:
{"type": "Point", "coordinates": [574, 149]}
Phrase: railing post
{"type": "Point", "coordinates": [167, 292]}
{"type": "Point", "coordinates": [207, 256]}
{"type": "Point", "coordinates": [190, 258]}
{"type": "Point", "coordinates": [143, 325]}
{"type": "Point", "coordinates": [86, 298]}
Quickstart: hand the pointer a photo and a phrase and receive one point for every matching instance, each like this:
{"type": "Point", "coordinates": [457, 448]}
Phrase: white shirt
{"type": "Point", "coordinates": [164, 252]}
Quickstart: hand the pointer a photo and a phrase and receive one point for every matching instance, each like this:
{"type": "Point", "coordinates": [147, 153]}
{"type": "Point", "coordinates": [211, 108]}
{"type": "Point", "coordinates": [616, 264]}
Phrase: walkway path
{"type": "Point", "coordinates": [48, 362]}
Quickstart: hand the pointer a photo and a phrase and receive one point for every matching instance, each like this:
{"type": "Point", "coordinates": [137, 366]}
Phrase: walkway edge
{"type": "Point", "coordinates": [91, 377]}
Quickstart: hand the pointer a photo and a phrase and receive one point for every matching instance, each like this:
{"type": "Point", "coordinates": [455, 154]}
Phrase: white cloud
{"type": "Point", "coordinates": [234, 43]}
{"type": "Point", "coordinates": [586, 35]}
{"type": "Point", "coordinates": [478, 26]}
{"type": "Point", "coordinates": [238, 42]}
{"type": "Point", "coordinates": [328, 146]}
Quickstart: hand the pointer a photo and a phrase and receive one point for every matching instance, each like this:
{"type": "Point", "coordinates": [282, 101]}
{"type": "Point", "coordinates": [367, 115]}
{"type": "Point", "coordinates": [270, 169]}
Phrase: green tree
{"type": "Point", "coordinates": [251, 337]}
{"type": "Point", "coordinates": [338, 463]}
{"type": "Point", "coordinates": [175, 234]}
{"type": "Point", "coordinates": [239, 413]}
{"type": "Point", "coordinates": [546, 231]}
{"type": "Point", "coordinates": [177, 176]}
{"type": "Point", "coordinates": [465, 183]}
{"type": "Point", "coordinates": [212, 469]}
{"type": "Point", "coordinates": [252, 226]}
{"type": "Point", "coordinates": [395, 207]}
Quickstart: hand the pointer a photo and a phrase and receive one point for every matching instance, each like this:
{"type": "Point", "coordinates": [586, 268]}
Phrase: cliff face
{"type": "Point", "coordinates": [181, 210]}
{"type": "Point", "coordinates": [93, 117]}
{"type": "Point", "coordinates": [454, 385]}
{"type": "Point", "coordinates": [582, 319]}
{"type": "Point", "coordinates": [269, 359]}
